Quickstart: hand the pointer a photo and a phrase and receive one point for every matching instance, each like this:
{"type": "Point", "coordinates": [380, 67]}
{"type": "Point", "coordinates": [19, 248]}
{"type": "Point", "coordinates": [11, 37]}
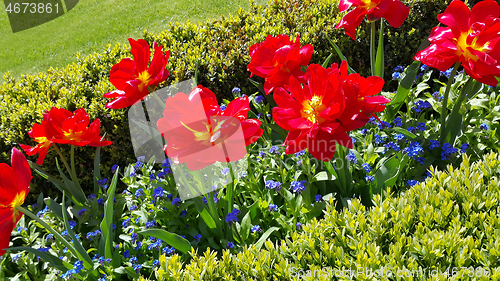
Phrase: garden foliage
{"type": "Point", "coordinates": [318, 145]}
{"type": "Point", "coordinates": [448, 223]}
{"type": "Point", "coordinates": [217, 48]}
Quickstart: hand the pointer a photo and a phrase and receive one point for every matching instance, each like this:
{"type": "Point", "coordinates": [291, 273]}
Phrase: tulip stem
{"type": "Point", "coordinates": [444, 109]}
{"type": "Point", "coordinates": [49, 228]}
{"type": "Point", "coordinates": [73, 169]}
{"type": "Point", "coordinates": [372, 47]}
{"type": "Point", "coordinates": [238, 233]}
{"type": "Point", "coordinates": [289, 204]}
{"type": "Point", "coordinates": [62, 158]}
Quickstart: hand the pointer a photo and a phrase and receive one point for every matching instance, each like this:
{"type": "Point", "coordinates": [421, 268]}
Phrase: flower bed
{"type": "Point", "coordinates": [221, 50]}
{"type": "Point", "coordinates": [232, 175]}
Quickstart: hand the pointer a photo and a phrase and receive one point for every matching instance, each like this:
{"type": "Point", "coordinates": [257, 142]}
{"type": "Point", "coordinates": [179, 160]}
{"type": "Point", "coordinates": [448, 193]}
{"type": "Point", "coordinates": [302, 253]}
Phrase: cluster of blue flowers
{"type": "Point", "coordinates": [150, 224]}
{"type": "Point", "coordinates": [167, 169]}
{"type": "Point", "coordinates": [274, 150]}
{"type": "Point", "coordinates": [276, 185]}
{"type": "Point", "coordinates": [256, 228]}
{"type": "Point", "coordinates": [398, 122]}
{"type": "Point", "coordinates": [140, 163]}
{"type": "Point", "coordinates": [391, 145]}
{"type": "Point", "coordinates": [367, 167]}
{"type": "Point", "coordinates": [300, 153]}
{"type": "Point", "coordinates": [82, 212]}
{"type": "Point", "coordinates": [352, 157]}
{"type": "Point", "coordinates": [399, 137]}
{"type": "Point", "coordinates": [103, 183]}
{"type": "Point", "coordinates": [42, 213]}
{"type": "Point", "coordinates": [273, 208]}
{"type": "Point", "coordinates": [369, 178]}
{"type": "Point", "coordinates": [77, 268]}
{"type": "Point", "coordinates": [484, 127]}
{"type": "Point", "coordinates": [434, 144]}
{"type": "Point", "coordinates": [259, 99]}
{"type": "Point", "coordinates": [412, 182]}
{"type": "Point", "coordinates": [156, 245]}
{"type": "Point", "coordinates": [421, 105]}
{"type": "Point", "coordinates": [216, 199]}
{"type": "Point", "coordinates": [447, 151]}
{"type": "Point", "coordinates": [446, 73]}
{"type": "Point", "coordinates": [382, 125]}
{"type": "Point", "coordinates": [197, 237]}
{"type": "Point", "coordinates": [232, 217]}
{"type": "Point", "coordinates": [93, 234]}
{"type": "Point", "coordinates": [298, 186]}
{"type": "Point", "coordinates": [168, 251]}
{"type": "Point", "coordinates": [396, 75]}
{"type": "Point", "coordinates": [414, 150]}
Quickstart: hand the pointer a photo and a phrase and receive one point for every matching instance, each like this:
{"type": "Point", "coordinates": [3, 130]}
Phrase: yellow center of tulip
{"type": "Point", "coordinates": [210, 135]}
{"type": "Point", "coordinates": [71, 135]}
{"type": "Point", "coordinates": [144, 77]}
{"type": "Point", "coordinates": [17, 202]}
{"type": "Point", "coordinates": [43, 140]}
{"type": "Point", "coordinates": [463, 46]}
{"type": "Point", "coordinates": [369, 4]}
{"type": "Point", "coordinates": [312, 108]}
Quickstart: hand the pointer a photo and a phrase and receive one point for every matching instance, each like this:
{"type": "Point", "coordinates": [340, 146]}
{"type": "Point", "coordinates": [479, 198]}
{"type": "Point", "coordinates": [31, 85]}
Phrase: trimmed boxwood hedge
{"type": "Point", "coordinates": [219, 47]}
{"type": "Point", "coordinates": [449, 222]}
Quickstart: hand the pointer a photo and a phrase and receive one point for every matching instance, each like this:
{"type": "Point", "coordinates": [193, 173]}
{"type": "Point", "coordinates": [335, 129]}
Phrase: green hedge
{"type": "Point", "coordinates": [450, 221]}
{"type": "Point", "coordinates": [221, 49]}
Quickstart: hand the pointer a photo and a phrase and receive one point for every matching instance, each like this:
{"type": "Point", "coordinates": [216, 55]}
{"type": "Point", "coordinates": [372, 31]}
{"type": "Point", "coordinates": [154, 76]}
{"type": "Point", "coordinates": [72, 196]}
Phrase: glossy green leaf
{"type": "Point", "coordinates": [97, 169]}
{"type": "Point", "coordinates": [52, 260]}
{"type": "Point", "coordinates": [405, 132]}
{"type": "Point", "coordinates": [106, 224]}
{"type": "Point", "coordinates": [82, 253]}
{"type": "Point", "coordinates": [406, 84]}
{"type": "Point", "coordinates": [379, 61]}
{"type": "Point", "coordinates": [341, 56]}
{"type": "Point", "coordinates": [264, 237]}
{"type": "Point", "coordinates": [76, 193]}
{"type": "Point", "coordinates": [172, 239]}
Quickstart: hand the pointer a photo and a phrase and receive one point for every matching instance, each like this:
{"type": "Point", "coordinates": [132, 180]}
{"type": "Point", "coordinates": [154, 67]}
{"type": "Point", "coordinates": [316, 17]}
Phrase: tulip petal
{"type": "Point", "coordinates": [22, 171]}
{"type": "Point", "coordinates": [396, 14]}
{"type": "Point", "coordinates": [456, 17]}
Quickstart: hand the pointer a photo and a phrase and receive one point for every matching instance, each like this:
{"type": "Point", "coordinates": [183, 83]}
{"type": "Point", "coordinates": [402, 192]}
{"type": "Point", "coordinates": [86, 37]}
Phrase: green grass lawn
{"type": "Point", "coordinates": [93, 24]}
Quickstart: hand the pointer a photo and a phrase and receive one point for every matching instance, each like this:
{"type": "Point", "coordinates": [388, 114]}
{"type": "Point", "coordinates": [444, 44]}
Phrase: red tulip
{"type": "Point", "coordinates": [360, 93]}
{"type": "Point", "coordinates": [319, 114]}
{"type": "Point", "coordinates": [199, 133]}
{"type": "Point", "coordinates": [14, 187]}
{"type": "Point", "coordinates": [472, 38]}
{"type": "Point", "coordinates": [277, 59]}
{"type": "Point", "coordinates": [311, 113]}
{"type": "Point", "coordinates": [63, 127]}
{"type": "Point", "coordinates": [133, 77]}
{"type": "Point", "coordinates": [392, 10]}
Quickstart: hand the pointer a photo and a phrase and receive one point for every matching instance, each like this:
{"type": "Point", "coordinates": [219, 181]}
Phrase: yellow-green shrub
{"type": "Point", "coordinates": [221, 50]}
{"type": "Point", "coordinates": [449, 222]}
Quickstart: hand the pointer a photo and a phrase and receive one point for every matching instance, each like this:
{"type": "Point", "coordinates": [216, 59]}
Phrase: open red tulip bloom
{"type": "Point", "coordinates": [14, 187]}
{"type": "Point", "coordinates": [63, 127]}
{"type": "Point", "coordinates": [319, 115]}
{"type": "Point", "coordinates": [278, 58]}
{"type": "Point", "coordinates": [472, 37]}
{"type": "Point", "coordinates": [199, 133]}
{"type": "Point", "coordinates": [133, 77]}
{"type": "Point", "coordinates": [392, 10]}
